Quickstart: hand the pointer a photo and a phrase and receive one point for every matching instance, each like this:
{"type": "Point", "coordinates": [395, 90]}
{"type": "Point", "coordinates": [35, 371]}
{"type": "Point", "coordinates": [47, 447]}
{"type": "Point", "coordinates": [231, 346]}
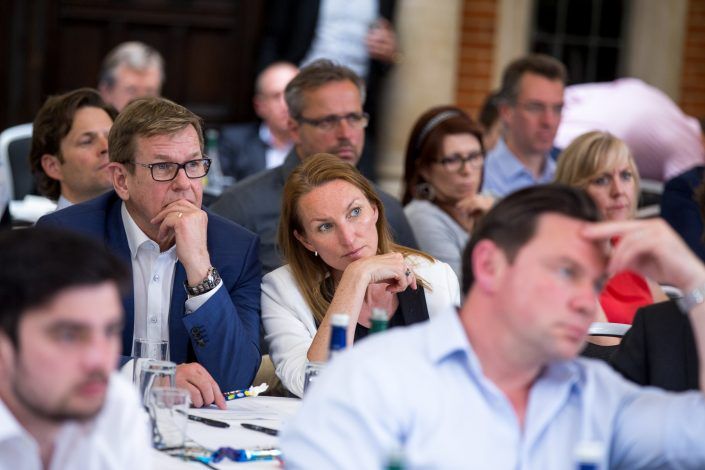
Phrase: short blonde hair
{"type": "Point", "coordinates": [591, 154]}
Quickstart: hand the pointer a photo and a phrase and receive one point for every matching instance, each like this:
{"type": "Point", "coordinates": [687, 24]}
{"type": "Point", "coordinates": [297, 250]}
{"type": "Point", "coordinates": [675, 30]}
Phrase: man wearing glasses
{"type": "Point", "coordinates": [196, 276]}
{"type": "Point", "coordinates": [530, 106]}
{"type": "Point", "coordinates": [325, 108]}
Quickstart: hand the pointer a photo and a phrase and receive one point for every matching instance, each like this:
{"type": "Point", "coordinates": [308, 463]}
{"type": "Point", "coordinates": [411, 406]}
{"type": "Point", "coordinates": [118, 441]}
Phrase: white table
{"type": "Point", "coordinates": [270, 412]}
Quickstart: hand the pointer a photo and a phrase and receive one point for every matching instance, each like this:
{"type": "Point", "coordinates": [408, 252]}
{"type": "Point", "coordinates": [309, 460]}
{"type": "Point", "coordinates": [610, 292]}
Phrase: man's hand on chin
{"type": "Point", "coordinates": [185, 224]}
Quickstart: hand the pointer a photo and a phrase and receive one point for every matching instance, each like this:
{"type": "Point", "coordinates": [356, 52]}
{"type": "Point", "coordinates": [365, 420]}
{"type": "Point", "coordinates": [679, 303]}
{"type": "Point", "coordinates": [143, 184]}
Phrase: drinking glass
{"type": "Point", "coordinates": [168, 409]}
{"type": "Point", "coordinates": [155, 374]}
{"type": "Point", "coordinates": [312, 371]}
{"type": "Point", "coordinates": [144, 349]}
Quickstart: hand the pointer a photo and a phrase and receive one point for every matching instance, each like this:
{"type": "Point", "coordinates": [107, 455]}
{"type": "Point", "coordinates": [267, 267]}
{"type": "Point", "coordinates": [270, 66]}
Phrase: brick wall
{"type": "Point", "coordinates": [693, 81]}
{"type": "Point", "coordinates": [476, 53]}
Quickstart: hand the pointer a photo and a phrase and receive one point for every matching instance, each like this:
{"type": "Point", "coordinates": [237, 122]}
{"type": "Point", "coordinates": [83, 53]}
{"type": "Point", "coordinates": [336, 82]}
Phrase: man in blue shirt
{"type": "Point", "coordinates": [498, 384]}
{"type": "Point", "coordinates": [531, 102]}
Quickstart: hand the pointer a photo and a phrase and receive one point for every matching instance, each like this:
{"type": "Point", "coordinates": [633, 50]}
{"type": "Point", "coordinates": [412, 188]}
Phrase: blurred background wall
{"type": "Point", "coordinates": [453, 51]}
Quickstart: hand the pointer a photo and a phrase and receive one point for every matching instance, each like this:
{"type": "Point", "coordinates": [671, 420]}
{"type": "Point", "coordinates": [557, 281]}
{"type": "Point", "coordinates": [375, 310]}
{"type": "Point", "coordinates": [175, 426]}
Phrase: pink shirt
{"type": "Point", "coordinates": [665, 142]}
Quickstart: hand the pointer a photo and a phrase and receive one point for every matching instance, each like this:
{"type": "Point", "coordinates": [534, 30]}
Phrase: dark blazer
{"type": "Point", "coordinates": [223, 334]}
{"type": "Point", "coordinates": [681, 211]}
{"type": "Point", "coordinates": [255, 203]}
{"type": "Point", "coordinates": [659, 349]}
{"type": "Point", "coordinates": [241, 151]}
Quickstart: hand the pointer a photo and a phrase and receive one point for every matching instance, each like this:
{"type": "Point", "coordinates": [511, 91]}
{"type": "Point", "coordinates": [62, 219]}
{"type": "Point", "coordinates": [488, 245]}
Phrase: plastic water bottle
{"type": "Point", "coordinates": [395, 460]}
{"type": "Point", "coordinates": [380, 320]}
{"type": "Point", "coordinates": [216, 181]}
{"type": "Point", "coordinates": [338, 337]}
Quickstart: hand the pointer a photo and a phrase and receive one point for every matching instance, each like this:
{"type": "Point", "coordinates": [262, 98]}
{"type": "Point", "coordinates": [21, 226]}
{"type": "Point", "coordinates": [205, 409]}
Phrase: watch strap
{"type": "Point", "coordinates": [210, 282]}
{"type": "Point", "coordinates": [692, 299]}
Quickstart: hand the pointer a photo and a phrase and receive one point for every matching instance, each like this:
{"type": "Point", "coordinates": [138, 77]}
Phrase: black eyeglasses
{"type": "Point", "coordinates": [328, 123]}
{"type": "Point", "coordinates": [456, 162]}
{"type": "Point", "coordinates": [167, 171]}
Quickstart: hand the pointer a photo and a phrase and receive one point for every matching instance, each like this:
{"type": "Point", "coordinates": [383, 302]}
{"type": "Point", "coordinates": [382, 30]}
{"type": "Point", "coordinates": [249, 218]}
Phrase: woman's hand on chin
{"type": "Point", "coordinates": [390, 269]}
{"type": "Point", "coordinates": [475, 205]}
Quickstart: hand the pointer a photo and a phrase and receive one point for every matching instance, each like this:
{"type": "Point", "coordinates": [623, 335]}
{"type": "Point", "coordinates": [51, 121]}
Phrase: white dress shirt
{"type": "Point", "coordinates": [117, 438]}
{"type": "Point", "coordinates": [153, 280]}
{"type": "Point", "coordinates": [274, 156]}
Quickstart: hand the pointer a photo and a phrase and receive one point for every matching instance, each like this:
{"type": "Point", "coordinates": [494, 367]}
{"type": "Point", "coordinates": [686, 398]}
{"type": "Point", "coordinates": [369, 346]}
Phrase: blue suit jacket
{"type": "Point", "coordinates": [223, 334]}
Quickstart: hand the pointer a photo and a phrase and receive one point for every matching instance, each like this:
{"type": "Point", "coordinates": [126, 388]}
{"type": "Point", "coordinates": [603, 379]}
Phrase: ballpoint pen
{"type": "Point", "coordinates": [254, 427]}
{"type": "Point", "coordinates": [207, 421]}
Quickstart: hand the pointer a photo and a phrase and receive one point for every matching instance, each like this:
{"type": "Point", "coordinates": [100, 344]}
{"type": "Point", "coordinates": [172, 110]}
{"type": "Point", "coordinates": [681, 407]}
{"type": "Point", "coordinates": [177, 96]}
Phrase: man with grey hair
{"type": "Point", "coordinates": [530, 106]}
{"type": "Point", "coordinates": [325, 116]}
{"type": "Point", "coordinates": [131, 70]}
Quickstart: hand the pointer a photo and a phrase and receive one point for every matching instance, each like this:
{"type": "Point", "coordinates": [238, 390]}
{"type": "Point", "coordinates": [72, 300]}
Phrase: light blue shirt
{"type": "Point", "coordinates": [421, 390]}
{"type": "Point", "coordinates": [504, 173]}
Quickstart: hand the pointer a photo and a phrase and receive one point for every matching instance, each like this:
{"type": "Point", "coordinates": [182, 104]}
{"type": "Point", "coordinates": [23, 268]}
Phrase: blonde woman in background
{"type": "Point", "coordinates": [604, 167]}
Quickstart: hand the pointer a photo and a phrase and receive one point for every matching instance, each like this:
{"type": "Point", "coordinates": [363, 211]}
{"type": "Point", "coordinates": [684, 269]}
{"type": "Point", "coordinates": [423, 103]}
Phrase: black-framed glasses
{"type": "Point", "coordinates": [167, 171]}
{"type": "Point", "coordinates": [328, 123]}
{"type": "Point", "coordinates": [456, 162]}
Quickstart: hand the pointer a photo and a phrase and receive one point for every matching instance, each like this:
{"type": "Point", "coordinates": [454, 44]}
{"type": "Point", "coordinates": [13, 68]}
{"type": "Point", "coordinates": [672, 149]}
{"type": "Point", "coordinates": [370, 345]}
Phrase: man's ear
{"type": "Point", "coordinates": [294, 127]}
{"type": "Point", "coordinates": [489, 264]}
{"type": "Point", "coordinates": [52, 166]}
{"type": "Point", "coordinates": [258, 106]}
{"type": "Point", "coordinates": [7, 354]}
{"type": "Point", "coordinates": [303, 241]}
{"type": "Point", "coordinates": [120, 180]}
{"type": "Point", "coordinates": [105, 91]}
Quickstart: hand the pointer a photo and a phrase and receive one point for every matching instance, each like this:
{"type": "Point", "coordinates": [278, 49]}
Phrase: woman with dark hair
{"type": "Point", "coordinates": [442, 178]}
{"type": "Point", "coordinates": [341, 259]}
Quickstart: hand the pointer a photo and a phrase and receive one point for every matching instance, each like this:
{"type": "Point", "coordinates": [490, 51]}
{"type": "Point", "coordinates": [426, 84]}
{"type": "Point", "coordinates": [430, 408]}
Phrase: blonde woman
{"type": "Point", "coordinates": [341, 259]}
{"type": "Point", "coordinates": [603, 165]}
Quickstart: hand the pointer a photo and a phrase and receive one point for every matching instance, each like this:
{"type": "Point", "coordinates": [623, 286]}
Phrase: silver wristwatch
{"type": "Point", "coordinates": [692, 299]}
{"type": "Point", "coordinates": [209, 283]}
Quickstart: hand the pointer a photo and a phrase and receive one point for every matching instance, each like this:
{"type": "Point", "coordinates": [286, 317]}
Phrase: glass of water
{"type": "Point", "coordinates": [144, 349]}
{"type": "Point", "coordinates": [168, 409]}
{"type": "Point", "coordinates": [155, 374]}
{"type": "Point", "coordinates": [313, 370]}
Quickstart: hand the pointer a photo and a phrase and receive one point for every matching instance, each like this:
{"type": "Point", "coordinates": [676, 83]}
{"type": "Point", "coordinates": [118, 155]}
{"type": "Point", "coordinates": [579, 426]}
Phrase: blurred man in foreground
{"type": "Point", "coordinates": [498, 384]}
{"type": "Point", "coordinates": [61, 404]}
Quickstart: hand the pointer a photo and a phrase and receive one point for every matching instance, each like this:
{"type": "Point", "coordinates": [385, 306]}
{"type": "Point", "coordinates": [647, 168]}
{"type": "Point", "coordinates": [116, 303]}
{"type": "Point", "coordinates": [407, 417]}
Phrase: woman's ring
{"type": "Point", "coordinates": [407, 272]}
{"type": "Point", "coordinates": [179, 215]}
